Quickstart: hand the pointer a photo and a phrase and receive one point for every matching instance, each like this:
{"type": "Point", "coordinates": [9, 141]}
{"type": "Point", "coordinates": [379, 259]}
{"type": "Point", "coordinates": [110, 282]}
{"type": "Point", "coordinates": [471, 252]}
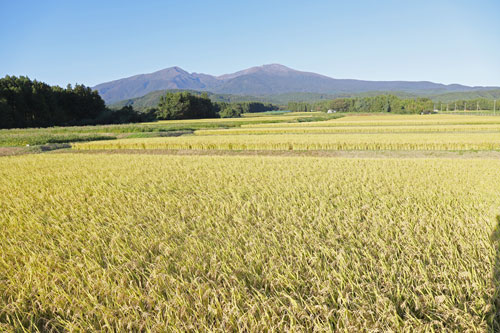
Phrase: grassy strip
{"type": "Point", "coordinates": [33, 139]}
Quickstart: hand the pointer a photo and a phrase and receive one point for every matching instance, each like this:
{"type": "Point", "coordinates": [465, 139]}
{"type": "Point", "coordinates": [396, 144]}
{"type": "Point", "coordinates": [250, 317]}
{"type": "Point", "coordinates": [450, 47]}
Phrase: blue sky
{"type": "Point", "coordinates": [89, 42]}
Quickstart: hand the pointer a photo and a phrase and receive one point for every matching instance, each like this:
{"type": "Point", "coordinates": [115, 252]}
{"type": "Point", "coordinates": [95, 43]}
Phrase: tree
{"type": "Point", "coordinates": [184, 105]}
{"type": "Point", "coordinates": [230, 111]}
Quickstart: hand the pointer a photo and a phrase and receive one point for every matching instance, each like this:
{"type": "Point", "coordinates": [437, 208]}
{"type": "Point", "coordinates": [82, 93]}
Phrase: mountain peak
{"type": "Point", "coordinates": [269, 68]}
{"type": "Point", "coordinates": [278, 67]}
{"type": "Point", "coordinates": [171, 70]}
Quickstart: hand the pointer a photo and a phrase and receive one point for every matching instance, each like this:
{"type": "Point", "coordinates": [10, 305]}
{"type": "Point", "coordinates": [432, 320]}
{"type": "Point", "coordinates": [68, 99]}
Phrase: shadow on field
{"type": "Point", "coordinates": [494, 314]}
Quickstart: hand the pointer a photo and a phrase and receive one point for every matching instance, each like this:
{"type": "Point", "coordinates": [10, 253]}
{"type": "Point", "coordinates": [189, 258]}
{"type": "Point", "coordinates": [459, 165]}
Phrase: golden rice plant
{"type": "Point", "coordinates": [355, 141]}
{"type": "Point", "coordinates": [171, 243]}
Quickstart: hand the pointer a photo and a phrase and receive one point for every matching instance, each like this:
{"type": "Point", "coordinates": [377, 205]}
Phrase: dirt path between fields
{"type": "Point", "coordinates": [11, 151]}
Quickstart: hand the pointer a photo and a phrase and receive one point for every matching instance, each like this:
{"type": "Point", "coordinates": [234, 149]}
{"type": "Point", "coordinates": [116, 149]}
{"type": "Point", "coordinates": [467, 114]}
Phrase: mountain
{"type": "Point", "coordinates": [139, 85]}
{"type": "Point", "coordinates": [260, 81]}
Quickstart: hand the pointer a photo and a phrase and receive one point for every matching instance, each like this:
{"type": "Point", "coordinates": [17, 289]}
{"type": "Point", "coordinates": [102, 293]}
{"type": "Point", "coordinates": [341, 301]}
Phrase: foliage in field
{"type": "Point", "coordinates": [136, 243]}
{"type": "Point", "coordinates": [349, 141]}
{"type": "Point", "coordinates": [42, 138]}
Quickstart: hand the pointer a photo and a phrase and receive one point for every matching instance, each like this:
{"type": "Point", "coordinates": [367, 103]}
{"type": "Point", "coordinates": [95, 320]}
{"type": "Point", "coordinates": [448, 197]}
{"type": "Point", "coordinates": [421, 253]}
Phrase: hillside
{"type": "Point", "coordinates": [264, 80]}
{"type": "Point", "coordinates": [467, 95]}
{"type": "Point", "coordinates": [151, 99]}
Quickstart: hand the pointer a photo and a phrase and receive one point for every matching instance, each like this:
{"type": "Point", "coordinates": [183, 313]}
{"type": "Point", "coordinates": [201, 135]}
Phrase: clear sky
{"type": "Point", "coordinates": [89, 42]}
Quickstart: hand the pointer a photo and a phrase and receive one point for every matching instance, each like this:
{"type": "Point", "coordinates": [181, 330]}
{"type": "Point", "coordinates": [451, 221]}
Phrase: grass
{"type": "Point", "coordinates": [40, 138]}
{"type": "Point", "coordinates": [190, 243]}
{"type": "Point", "coordinates": [356, 141]}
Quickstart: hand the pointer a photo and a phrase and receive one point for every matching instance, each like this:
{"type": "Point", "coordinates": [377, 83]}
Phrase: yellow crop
{"type": "Point", "coordinates": [168, 243]}
{"type": "Point", "coordinates": [392, 120]}
{"type": "Point", "coordinates": [247, 118]}
{"type": "Point", "coordinates": [351, 129]}
{"type": "Point", "coordinates": [381, 141]}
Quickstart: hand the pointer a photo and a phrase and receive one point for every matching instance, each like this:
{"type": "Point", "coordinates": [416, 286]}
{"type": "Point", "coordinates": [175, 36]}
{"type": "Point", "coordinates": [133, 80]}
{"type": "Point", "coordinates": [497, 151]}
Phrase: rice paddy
{"type": "Point", "coordinates": [395, 120]}
{"type": "Point", "coordinates": [154, 243]}
{"type": "Point", "coordinates": [318, 129]}
{"type": "Point", "coordinates": [357, 141]}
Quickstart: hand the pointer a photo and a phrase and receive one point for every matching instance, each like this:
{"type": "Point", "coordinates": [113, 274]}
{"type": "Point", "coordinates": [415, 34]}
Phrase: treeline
{"type": "Point", "coordinates": [230, 110]}
{"type": "Point", "coordinates": [185, 105]}
{"type": "Point", "coordinates": [391, 103]}
{"type": "Point", "coordinates": [300, 106]}
{"type": "Point", "coordinates": [381, 103]}
{"type": "Point", "coordinates": [27, 103]}
{"type": "Point", "coordinates": [472, 104]}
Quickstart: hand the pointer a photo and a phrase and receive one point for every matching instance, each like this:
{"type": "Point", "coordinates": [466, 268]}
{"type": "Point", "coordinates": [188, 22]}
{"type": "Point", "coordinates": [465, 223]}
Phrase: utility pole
{"type": "Point", "coordinates": [447, 107]}
{"type": "Point", "coordinates": [455, 106]}
{"type": "Point", "coordinates": [477, 106]}
{"type": "Point", "coordinates": [465, 107]}
{"type": "Point", "coordinates": [441, 107]}
{"type": "Point", "coordinates": [494, 107]}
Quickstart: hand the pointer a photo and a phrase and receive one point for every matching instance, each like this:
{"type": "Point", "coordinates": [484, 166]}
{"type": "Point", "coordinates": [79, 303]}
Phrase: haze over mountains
{"type": "Point", "coordinates": [259, 81]}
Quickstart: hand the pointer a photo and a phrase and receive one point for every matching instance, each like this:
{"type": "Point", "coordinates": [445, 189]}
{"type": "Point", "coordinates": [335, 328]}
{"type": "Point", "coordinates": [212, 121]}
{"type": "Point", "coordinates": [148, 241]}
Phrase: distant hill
{"type": "Point", "coordinates": [264, 80]}
{"type": "Point", "coordinates": [152, 99]}
{"type": "Point", "coordinates": [467, 95]}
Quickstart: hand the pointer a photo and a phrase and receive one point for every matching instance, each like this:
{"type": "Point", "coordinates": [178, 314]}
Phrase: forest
{"type": "Point", "coordinates": [185, 105]}
{"type": "Point", "coordinates": [26, 103]}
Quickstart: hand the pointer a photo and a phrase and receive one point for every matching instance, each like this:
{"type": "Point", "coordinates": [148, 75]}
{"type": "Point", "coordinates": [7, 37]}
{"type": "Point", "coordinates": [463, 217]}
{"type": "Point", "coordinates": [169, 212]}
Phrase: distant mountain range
{"type": "Point", "coordinates": [263, 80]}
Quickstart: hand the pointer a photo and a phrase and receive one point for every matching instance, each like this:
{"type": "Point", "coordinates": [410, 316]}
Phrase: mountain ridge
{"type": "Point", "coordinates": [259, 80]}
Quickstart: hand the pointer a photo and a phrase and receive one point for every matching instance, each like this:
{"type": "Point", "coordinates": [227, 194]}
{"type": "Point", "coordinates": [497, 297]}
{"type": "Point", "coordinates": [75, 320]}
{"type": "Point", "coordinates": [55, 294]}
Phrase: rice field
{"type": "Point", "coordinates": [351, 129]}
{"type": "Point", "coordinates": [356, 141]}
{"type": "Point", "coordinates": [394, 120]}
{"type": "Point", "coordinates": [94, 241]}
{"type": "Point", "coordinates": [192, 243]}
